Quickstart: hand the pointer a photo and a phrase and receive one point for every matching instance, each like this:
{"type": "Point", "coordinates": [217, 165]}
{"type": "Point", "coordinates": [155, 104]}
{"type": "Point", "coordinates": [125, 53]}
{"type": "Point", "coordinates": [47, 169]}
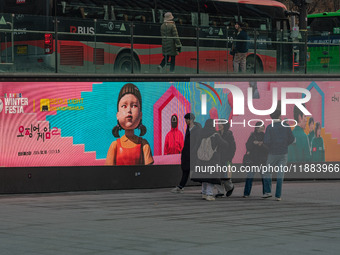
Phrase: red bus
{"type": "Point", "coordinates": [123, 36]}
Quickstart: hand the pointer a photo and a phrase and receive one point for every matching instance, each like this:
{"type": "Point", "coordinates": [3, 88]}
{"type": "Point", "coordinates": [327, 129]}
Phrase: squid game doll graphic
{"type": "Point", "coordinates": [129, 149]}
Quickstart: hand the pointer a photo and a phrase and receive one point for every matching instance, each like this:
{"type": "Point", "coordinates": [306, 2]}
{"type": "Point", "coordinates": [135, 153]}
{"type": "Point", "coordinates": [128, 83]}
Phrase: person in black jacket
{"type": "Point", "coordinates": [227, 154]}
{"type": "Point", "coordinates": [187, 154]}
{"type": "Point", "coordinates": [258, 153]}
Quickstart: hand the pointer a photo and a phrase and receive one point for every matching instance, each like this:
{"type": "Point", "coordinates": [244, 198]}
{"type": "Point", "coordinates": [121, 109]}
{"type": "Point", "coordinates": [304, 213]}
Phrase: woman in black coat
{"type": "Point", "coordinates": [257, 155]}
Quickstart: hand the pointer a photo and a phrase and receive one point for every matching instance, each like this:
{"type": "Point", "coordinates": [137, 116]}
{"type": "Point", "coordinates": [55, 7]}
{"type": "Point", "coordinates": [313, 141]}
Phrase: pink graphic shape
{"type": "Point", "coordinates": [173, 107]}
{"type": "Point", "coordinates": [158, 107]}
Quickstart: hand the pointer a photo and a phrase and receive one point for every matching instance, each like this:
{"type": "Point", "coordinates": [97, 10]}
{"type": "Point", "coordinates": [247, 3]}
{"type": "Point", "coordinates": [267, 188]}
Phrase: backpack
{"type": "Point", "coordinates": [205, 151]}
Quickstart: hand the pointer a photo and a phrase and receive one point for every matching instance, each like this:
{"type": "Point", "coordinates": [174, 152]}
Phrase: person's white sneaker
{"type": "Point", "coordinates": [278, 198]}
{"type": "Point", "coordinates": [160, 69]}
{"type": "Point", "coordinates": [266, 195]}
{"type": "Point", "coordinates": [210, 198]}
{"type": "Point", "coordinates": [177, 190]}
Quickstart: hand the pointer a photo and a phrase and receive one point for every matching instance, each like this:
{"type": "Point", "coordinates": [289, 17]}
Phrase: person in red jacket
{"type": "Point", "coordinates": [174, 138]}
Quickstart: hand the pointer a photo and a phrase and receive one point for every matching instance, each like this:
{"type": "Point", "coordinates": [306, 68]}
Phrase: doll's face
{"type": "Point", "coordinates": [129, 114]}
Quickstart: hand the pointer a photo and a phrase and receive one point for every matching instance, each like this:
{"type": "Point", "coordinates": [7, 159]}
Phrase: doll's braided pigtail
{"type": "Point", "coordinates": [116, 129]}
{"type": "Point", "coordinates": [142, 129]}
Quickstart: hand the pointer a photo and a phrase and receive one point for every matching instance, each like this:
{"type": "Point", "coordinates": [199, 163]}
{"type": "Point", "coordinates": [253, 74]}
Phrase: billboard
{"type": "Point", "coordinates": [123, 123]}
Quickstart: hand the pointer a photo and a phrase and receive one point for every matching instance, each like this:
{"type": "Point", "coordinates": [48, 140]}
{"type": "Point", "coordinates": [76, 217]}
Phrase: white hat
{"type": "Point", "coordinates": [168, 16]}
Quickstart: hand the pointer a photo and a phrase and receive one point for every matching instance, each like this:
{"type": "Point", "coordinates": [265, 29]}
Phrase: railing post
{"type": "Point", "coordinates": [281, 51]}
{"type": "Point", "coordinates": [12, 38]}
{"type": "Point", "coordinates": [95, 45]}
{"type": "Point", "coordinates": [306, 41]}
{"type": "Point", "coordinates": [131, 33]}
{"type": "Point", "coordinates": [255, 51]}
{"type": "Point", "coordinates": [328, 51]}
{"type": "Point", "coordinates": [227, 46]}
{"type": "Point", "coordinates": [56, 43]}
{"type": "Point", "coordinates": [198, 50]}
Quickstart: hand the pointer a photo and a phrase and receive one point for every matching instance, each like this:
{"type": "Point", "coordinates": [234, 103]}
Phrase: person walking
{"type": "Point", "coordinates": [171, 45]}
{"type": "Point", "coordinates": [191, 134]}
{"type": "Point", "coordinates": [258, 153]}
{"type": "Point", "coordinates": [209, 155]}
{"type": "Point", "coordinates": [227, 154]}
{"type": "Point", "coordinates": [240, 48]}
{"type": "Point", "coordinates": [277, 138]}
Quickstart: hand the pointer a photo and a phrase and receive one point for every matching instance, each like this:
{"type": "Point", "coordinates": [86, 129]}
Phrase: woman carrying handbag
{"type": "Point", "coordinates": [256, 154]}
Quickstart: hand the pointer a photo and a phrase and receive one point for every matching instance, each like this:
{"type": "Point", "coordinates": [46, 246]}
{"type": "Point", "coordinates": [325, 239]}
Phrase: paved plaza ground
{"type": "Point", "coordinates": [155, 221]}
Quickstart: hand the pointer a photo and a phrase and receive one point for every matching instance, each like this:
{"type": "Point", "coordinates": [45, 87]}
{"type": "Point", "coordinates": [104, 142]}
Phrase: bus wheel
{"type": "Point", "coordinates": [123, 64]}
{"type": "Point", "coordinates": [251, 64]}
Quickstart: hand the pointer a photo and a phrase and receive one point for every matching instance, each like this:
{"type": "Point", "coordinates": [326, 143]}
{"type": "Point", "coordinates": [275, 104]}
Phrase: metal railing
{"type": "Point", "coordinates": [204, 51]}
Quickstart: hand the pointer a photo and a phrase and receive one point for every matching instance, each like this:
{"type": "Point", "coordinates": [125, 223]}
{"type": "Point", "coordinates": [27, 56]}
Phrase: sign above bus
{"type": "Point", "coordinates": [21, 1]}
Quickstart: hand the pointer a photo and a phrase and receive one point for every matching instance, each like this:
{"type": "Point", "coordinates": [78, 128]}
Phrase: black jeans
{"type": "Point", "coordinates": [172, 62]}
{"type": "Point", "coordinates": [185, 177]}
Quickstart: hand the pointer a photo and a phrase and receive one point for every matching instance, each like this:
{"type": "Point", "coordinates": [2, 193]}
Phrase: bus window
{"type": "Point", "coordinates": [106, 12]}
{"type": "Point", "coordinates": [153, 15]}
{"type": "Point", "coordinates": [324, 24]}
{"type": "Point", "coordinates": [204, 19]}
{"type": "Point", "coordinates": [161, 16]}
{"type": "Point", "coordinates": [78, 9]}
{"type": "Point", "coordinates": [125, 17]}
{"type": "Point", "coordinates": [194, 19]}
{"type": "Point", "coordinates": [82, 12]}
{"type": "Point", "coordinates": [124, 13]}
{"type": "Point", "coordinates": [180, 18]}
{"type": "Point", "coordinates": [258, 24]}
{"type": "Point", "coordinates": [26, 7]}
{"type": "Point", "coordinates": [113, 16]}
{"type": "Point", "coordinates": [278, 25]}
{"type": "Point", "coordinates": [140, 18]}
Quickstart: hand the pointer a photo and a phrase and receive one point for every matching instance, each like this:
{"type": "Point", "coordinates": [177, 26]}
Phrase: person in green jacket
{"type": "Point", "coordinates": [311, 131]}
{"type": "Point", "coordinates": [318, 147]}
{"type": "Point", "coordinates": [171, 45]}
{"type": "Point", "coordinates": [299, 150]}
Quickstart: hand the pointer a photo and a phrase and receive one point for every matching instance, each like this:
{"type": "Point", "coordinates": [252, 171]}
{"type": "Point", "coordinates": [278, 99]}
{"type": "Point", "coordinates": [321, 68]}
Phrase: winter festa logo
{"type": "Point", "coordinates": [13, 103]}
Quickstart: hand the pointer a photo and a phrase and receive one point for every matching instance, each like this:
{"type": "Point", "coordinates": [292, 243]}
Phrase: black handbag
{"type": "Point", "coordinates": [246, 159]}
